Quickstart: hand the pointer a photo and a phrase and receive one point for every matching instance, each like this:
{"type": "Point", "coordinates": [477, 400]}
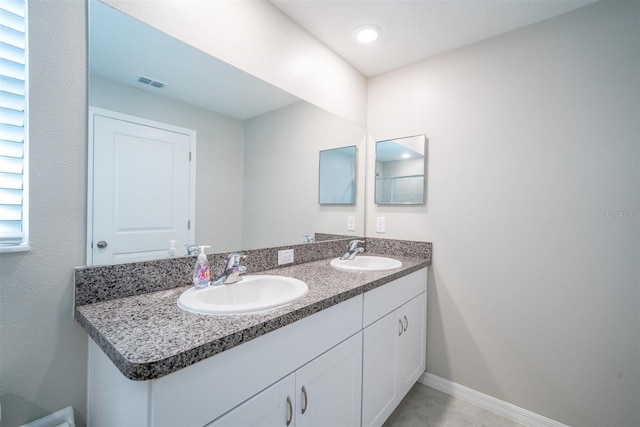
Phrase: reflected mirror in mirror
{"type": "Point", "coordinates": [255, 182]}
{"type": "Point", "coordinates": [337, 176]}
{"type": "Point", "coordinates": [401, 170]}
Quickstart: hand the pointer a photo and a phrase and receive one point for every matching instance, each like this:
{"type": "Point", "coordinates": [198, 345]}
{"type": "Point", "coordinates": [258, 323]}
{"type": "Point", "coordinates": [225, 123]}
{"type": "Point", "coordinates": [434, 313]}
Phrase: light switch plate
{"type": "Point", "coordinates": [380, 225]}
{"type": "Point", "coordinates": [285, 256]}
{"type": "Point", "coordinates": [351, 223]}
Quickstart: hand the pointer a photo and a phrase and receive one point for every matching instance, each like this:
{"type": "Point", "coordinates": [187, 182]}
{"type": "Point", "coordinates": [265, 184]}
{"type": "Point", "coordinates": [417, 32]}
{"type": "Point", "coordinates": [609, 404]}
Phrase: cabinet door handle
{"type": "Point", "coordinates": [290, 410]}
{"type": "Point", "coordinates": [401, 327]}
{"type": "Point", "coordinates": [406, 323]}
{"type": "Point", "coordinates": [304, 400]}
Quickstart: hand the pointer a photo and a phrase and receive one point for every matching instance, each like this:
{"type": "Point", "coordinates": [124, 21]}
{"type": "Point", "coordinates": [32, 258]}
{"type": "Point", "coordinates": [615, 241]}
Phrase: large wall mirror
{"type": "Point", "coordinates": [254, 173]}
{"type": "Point", "coordinates": [401, 171]}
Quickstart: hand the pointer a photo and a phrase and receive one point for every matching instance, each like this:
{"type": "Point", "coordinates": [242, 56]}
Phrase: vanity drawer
{"type": "Point", "coordinates": [384, 299]}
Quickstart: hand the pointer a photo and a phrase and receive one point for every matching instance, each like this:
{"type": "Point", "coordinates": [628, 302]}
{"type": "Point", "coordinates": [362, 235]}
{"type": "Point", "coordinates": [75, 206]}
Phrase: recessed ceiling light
{"type": "Point", "coordinates": [367, 33]}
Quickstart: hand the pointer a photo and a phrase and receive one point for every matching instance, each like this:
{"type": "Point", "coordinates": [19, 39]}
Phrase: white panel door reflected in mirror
{"type": "Point", "coordinates": [401, 170]}
{"type": "Point", "coordinates": [337, 182]}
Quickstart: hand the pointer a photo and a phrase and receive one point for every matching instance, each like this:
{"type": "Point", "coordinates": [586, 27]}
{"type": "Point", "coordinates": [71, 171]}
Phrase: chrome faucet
{"type": "Point", "coordinates": [192, 250]}
{"type": "Point", "coordinates": [232, 270]}
{"type": "Point", "coordinates": [353, 250]}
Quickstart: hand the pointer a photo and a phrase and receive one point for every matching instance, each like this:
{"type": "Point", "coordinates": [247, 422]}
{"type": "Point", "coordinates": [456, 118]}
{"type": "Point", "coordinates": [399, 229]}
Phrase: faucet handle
{"type": "Point", "coordinates": [234, 258]}
{"type": "Point", "coordinates": [354, 244]}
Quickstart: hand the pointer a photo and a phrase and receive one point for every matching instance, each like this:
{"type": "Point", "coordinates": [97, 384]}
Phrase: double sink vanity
{"type": "Point", "coordinates": [318, 342]}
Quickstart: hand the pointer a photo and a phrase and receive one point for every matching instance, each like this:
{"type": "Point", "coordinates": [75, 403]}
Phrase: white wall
{"type": "Point", "coordinates": [42, 348]}
{"type": "Point", "coordinates": [258, 38]}
{"type": "Point", "coordinates": [219, 155]}
{"type": "Point", "coordinates": [533, 209]}
{"type": "Point", "coordinates": [269, 193]}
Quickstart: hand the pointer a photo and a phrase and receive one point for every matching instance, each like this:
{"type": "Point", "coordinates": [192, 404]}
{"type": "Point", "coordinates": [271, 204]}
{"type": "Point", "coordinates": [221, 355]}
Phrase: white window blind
{"type": "Point", "coordinates": [13, 141]}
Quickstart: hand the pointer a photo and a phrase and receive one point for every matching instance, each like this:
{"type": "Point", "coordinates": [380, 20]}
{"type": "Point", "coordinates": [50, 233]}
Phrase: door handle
{"type": "Point", "coordinates": [102, 244]}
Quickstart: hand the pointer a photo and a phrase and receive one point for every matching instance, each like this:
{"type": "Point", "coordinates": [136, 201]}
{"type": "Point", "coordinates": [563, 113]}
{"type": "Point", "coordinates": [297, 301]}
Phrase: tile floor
{"type": "Point", "coordinates": [427, 407]}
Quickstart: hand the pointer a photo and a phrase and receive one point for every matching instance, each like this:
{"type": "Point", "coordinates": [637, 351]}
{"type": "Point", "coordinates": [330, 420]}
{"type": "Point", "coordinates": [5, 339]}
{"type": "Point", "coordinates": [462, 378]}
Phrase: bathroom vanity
{"type": "Point", "coordinates": [343, 355]}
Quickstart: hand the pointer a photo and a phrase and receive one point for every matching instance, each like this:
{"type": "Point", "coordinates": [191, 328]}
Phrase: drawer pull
{"type": "Point", "coordinates": [290, 410]}
{"type": "Point", "coordinates": [304, 401]}
{"type": "Point", "coordinates": [401, 327]}
{"type": "Point", "coordinates": [406, 323]}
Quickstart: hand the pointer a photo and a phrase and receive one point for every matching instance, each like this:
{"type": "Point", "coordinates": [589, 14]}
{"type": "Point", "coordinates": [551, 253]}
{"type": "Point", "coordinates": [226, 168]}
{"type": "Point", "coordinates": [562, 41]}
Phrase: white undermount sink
{"type": "Point", "coordinates": [251, 294]}
{"type": "Point", "coordinates": [366, 263]}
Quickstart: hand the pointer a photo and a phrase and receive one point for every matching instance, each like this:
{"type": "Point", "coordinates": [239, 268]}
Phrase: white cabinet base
{"type": "Point", "coordinates": [200, 393]}
{"type": "Point", "coordinates": [356, 361]}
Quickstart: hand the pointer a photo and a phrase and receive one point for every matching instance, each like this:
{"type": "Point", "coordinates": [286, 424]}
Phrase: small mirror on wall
{"type": "Point", "coordinates": [400, 171]}
{"type": "Point", "coordinates": [337, 176]}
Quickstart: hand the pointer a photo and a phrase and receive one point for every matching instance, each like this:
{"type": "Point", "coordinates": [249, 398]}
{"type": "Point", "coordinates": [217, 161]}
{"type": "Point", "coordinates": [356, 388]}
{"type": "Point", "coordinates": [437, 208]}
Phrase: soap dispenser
{"type": "Point", "coordinates": [172, 252]}
{"type": "Point", "coordinates": [202, 271]}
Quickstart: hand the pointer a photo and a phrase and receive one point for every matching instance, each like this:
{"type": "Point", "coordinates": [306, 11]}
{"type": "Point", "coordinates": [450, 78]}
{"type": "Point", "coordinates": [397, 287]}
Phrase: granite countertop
{"type": "Point", "coordinates": [148, 336]}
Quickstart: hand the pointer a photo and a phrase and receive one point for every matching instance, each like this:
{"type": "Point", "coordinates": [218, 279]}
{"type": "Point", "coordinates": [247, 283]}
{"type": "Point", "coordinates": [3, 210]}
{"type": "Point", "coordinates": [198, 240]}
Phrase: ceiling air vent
{"type": "Point", "coordinates": [150, 82]}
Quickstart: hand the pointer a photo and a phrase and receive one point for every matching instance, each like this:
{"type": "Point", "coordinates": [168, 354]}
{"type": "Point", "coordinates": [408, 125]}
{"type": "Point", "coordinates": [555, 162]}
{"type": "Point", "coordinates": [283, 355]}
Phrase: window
{"type": "Point", "coordinates": [13, 126]}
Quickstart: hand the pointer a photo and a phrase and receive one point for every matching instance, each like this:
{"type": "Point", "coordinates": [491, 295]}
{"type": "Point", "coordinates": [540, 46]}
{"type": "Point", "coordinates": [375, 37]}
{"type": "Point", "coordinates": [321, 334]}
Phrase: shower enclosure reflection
{"type": "Point", "coordinates": [401, 171]}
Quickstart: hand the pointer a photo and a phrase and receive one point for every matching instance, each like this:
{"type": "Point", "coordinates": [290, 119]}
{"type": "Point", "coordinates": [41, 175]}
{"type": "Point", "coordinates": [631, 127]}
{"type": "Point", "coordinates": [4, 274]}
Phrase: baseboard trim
{"type": "Point", "coordinates": [487, 402]}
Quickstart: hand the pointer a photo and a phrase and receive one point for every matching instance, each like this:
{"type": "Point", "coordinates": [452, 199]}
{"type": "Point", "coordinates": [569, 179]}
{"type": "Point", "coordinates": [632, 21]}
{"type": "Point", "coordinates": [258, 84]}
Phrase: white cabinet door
{"type": "Point", "coordinates": [394, 358]}
{"type": "Point", "coordinates": [379, 366]}
{"type": "Point", "coordinates": [412, 344]}
{"type": "Point", "coordinates": [329, 387]}
{"type": "Point", "coordinates": [325, 392]}
{"type": "Point", "coordinates": [273, 407]}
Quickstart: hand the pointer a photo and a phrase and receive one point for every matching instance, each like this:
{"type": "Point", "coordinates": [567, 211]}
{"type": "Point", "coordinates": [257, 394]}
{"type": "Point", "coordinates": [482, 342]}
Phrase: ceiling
{"type": "Point", "coordinates": [413, 30]}
{"type": "Point", "coordinates": [121, 48]}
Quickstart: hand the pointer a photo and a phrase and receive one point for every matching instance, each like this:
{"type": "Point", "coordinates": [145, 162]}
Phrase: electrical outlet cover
{"type": "Point", "coordinates": [351, 223]}
{"type": "Point", "coordinates": [285, 256]}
